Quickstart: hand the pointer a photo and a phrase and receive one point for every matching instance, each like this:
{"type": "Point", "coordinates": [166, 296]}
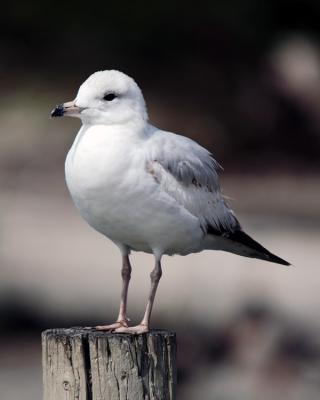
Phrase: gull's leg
{"type": "Point", "coordinates": [144, 324]}
{"type": "Point", "coordinates": [122, 320]}
{"type": "Point", "coordinates": [155, 278]}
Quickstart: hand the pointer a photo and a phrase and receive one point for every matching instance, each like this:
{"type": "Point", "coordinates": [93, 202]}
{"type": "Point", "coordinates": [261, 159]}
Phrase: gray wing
{"type": "Point", "coordinates": [189, 173]}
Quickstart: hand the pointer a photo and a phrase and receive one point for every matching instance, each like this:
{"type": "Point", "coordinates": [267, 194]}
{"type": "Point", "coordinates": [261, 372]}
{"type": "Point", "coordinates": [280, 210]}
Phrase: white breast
{"type": "Point", "coordinates": [106, 176]}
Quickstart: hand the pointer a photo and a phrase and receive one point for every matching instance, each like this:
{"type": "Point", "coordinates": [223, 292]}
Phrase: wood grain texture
{"type": "Point", "coordinates": [83, 364]}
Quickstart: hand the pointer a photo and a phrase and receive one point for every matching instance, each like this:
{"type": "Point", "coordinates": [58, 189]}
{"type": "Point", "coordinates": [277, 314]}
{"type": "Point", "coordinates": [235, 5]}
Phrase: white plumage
{"type": "Point", "coordinates": [144, 188]}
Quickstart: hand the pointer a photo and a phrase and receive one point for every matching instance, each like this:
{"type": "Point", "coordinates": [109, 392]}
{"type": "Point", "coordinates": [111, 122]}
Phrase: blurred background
{"type": "Point", "coordinates": [241, 78]}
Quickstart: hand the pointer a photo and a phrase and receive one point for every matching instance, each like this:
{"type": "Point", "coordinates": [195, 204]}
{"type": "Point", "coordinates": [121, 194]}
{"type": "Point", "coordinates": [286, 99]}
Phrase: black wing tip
{"type": "Point", "coordinates": [277, 260]}
{"type": "Point", "coordinates": [242, 237]}
{"type": "Point", "coordinates": [239, 236]}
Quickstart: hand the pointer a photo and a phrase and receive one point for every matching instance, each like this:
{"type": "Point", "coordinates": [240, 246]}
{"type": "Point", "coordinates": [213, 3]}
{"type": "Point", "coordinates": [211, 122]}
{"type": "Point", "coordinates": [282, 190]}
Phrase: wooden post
{"type": "Point", "coordinates": [81, 364]}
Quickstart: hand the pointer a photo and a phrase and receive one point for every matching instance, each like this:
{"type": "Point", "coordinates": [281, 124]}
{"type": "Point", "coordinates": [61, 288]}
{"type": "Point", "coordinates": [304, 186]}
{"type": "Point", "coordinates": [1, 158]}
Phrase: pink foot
{"type": "Point", "coordinates": [116, 325]}
{"type": "Point", "coordinates": [135, 330]}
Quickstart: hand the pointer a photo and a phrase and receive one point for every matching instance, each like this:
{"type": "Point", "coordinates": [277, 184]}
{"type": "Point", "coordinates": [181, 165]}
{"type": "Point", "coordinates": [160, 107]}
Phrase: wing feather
{"type": "Point", "coordinates": [189, 173]}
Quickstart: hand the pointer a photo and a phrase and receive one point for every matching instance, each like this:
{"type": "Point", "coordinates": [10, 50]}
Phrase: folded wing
{"type": "Point", "coordinates": [189, 173]}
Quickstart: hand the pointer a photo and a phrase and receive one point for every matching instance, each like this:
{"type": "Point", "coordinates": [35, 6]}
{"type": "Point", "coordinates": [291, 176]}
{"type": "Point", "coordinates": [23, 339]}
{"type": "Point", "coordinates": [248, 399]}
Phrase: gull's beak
{"type": "Point", "coordinates": [66, 109]}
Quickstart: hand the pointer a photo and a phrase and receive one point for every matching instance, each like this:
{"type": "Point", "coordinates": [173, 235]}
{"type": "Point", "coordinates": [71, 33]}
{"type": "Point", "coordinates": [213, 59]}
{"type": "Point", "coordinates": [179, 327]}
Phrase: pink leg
{"type": "Point", "coordinates": [122, 320]}
{"type": "Point", "coordinates": [144, 324]}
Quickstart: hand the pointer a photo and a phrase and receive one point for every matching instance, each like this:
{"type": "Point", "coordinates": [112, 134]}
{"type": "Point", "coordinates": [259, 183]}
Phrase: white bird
{"type": "Point", "coordinates": [144, 188]}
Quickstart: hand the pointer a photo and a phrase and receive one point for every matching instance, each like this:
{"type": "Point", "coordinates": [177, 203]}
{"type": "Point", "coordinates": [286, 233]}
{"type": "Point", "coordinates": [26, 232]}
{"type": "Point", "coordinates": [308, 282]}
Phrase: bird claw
{"type": "Point", "coordinates": [112, 327]}
{"type": "Point", "coordinates": [134, 330]}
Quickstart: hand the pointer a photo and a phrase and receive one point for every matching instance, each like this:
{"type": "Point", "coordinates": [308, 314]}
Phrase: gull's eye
{"type": "Point", "coordinates": [109, 96]}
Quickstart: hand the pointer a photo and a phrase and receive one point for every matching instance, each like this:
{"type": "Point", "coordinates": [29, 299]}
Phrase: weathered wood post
{"type": "Point", "coordinates": [81, 364]}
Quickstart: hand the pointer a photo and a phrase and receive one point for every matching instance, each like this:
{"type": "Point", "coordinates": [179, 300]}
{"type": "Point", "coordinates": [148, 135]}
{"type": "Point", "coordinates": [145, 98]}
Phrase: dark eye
{"type": "Point", "coordinates": [109, 96]}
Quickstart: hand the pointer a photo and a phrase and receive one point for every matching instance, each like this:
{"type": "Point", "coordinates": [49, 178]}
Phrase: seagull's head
{"type": "Point", "coordinates": [106, 97]}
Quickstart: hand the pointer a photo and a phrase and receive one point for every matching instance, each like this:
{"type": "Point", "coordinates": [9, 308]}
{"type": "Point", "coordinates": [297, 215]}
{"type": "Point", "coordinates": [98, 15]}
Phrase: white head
{"type": "Point", "coordinates": [106, 97]}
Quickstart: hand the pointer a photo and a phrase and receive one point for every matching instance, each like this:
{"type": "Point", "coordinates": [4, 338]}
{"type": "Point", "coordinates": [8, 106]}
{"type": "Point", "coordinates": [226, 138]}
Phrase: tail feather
{"type": "Point", "coordinates": [259, 251]}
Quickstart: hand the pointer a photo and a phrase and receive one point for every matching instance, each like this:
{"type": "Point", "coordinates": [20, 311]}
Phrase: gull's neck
{"type": "Point", "coordinates": [135, 128]}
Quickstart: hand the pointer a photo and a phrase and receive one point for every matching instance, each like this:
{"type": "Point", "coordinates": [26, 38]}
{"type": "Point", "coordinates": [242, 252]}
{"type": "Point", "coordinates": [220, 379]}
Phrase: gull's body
{"type": "Point", "coordinates": [145, 189]}
{"type": "Point", "coordinates": [115, 184]}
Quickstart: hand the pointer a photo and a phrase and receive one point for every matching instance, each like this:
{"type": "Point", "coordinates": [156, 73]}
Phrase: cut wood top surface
{"type": "Point", "coordinates": [78, 330]}
{"type": "Point", "coordinates": [86, 364]}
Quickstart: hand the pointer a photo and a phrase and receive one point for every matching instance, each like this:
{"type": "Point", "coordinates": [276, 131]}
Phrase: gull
{"type": "Point", "coordinates": [144, 188]}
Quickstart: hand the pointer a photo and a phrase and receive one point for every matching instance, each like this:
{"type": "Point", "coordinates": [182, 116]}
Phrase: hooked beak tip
{"type": "Point", "coordinates": [58, 111]}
